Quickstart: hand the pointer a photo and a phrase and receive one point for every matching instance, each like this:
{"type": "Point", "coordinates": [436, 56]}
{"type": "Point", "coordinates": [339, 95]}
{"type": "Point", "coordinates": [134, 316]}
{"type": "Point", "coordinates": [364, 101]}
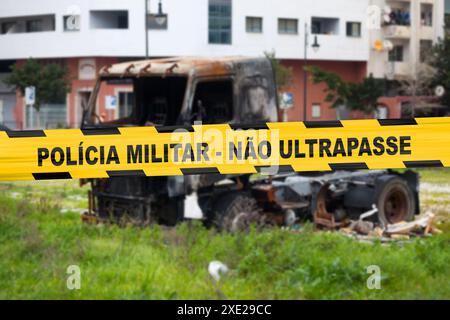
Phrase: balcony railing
{"type": "Point", "coordinates": [397, 32]}
{"type": "Point", "coordinates": [398, 70]}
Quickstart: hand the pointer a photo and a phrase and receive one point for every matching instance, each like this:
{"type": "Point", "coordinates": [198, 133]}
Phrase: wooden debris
{"type": "Point", "coordinates": [424, 222]}
{"type": "Point", "coordinates": [377, 232]}
{"type": "Point", "coordinates": [400, 237]}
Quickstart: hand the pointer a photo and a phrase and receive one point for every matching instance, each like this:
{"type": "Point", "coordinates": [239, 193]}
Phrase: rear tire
{"type": "Point", "coordinates": [395, 200]}
{"type": "Point", "coordinates": [235, 212]}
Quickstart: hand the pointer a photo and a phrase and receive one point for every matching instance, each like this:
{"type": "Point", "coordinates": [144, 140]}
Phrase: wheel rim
{"type": "Point", "coordinates": [396, 205]}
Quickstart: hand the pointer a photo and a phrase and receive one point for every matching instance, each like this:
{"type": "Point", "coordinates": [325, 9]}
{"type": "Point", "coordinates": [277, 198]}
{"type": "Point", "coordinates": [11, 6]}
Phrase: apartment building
{"type": "Point", "coordinates": [86, 35]}
{"type": "Point", "coordinates": [401, 43]}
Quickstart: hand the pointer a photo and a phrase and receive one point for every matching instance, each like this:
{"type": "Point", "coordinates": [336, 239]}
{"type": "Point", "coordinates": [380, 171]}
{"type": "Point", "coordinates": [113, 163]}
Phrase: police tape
{"type": "Point", "coordinates": [224, 149]}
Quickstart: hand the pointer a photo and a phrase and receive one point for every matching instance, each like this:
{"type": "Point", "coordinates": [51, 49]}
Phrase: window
{"type": "Point", "coordinates": [354, 29]}
{"type": "Point", "coordinates": [34, 26]}
{"type": "Point", "coordinates": [254, 25]}
{"type": "Point", "coordinates": [426, 14]}
{"type": "Point", "coordinates": [288, 26]}
{"type": "Point", "coordinates": [396, 54]}
{"type": "Point", "coordinates": [125, 104]}
{"type": "Point", "coordinates": [7, 27]}
{"type": "Point", "coordinates": [219, 22]}
{"type": "Point", "coordinates": [213, 102]}
{"type": "Point", "coordinates": [329, 26]}
{"type": "Point", "coordinates": [117, 19]}
{"type": "Point", "coordinates": [316, 111]}
{"type": "Point", "coordinates": [426, 47]}
{"type": "Point", "coordinates": [38, 23]}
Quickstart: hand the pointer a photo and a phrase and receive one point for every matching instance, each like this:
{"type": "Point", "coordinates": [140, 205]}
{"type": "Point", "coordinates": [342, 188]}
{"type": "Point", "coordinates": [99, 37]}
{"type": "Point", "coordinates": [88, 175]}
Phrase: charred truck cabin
{"type": "Point", "coordinates": [241, 92]}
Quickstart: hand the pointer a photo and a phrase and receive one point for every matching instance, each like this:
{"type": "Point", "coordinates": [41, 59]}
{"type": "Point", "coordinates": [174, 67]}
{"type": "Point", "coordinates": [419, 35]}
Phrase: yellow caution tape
{"type": "Point", "coordinates": [224, 149]}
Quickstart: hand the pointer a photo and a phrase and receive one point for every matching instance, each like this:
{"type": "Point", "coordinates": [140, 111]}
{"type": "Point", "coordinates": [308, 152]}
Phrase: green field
{"type": "Point", "coordinates": [41, 234]}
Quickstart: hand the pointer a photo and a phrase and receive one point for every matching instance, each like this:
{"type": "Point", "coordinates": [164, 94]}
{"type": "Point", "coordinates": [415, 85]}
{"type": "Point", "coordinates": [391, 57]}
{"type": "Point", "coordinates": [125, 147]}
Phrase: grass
{"type": "Point", "coordinates": [38, 243]}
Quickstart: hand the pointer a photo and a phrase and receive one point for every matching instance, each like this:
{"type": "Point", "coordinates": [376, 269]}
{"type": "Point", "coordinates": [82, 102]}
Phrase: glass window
{"type": "Point", "coordinates": [328, 26]}
{"type": "Point", "coordinates": [7, 27]}
{"type": "Point", "coordinates": [316, 111]}
{"type": "Point", "coordinates": [354, 29]}
{"type": "Point", "coordinates": [34, 25]}
{"type": "Point", "coordinates": [426, 14]}
{"type": "Point", "coordinates": [220, 21]}
{"type": "Point", "coordinates": [213, 102]}
{"type": "Point", "coordinates": [396, 54]}
{"type": "Point", "coordinates": [288, 26]}
{"type": "Point", "coordinates": [254, 24]}
{"type": "Point", "coordinates": [112, 19]}
{"type": "Point", "coordinates": [125, 104]}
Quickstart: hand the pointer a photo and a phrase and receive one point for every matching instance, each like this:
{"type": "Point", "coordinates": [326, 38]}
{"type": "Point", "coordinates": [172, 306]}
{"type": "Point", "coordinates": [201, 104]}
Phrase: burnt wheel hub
{"type": "Point", "coordinates": [396, 205]}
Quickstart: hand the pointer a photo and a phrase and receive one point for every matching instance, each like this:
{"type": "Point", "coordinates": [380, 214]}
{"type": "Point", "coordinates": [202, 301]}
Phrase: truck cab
{"type": "Point", "coordinates": [177, 92]}
{"type": "Point", "coordinates": [181, 91]}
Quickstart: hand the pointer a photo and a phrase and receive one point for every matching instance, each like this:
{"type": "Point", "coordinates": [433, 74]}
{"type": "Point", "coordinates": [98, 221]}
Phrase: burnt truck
{"type": "Point", "coordinates": [242, 92]}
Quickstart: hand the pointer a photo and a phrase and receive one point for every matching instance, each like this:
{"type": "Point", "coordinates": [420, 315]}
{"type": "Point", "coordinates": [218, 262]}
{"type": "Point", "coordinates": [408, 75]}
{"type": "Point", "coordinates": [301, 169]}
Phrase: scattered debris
{"type": "Point", "coordinates": [216, 268]}
{"type": "Point", "coordinates": [423, 224]}
{"type": "Point", "coordinates": [362, 227]}
{"type": "Point", "coordinates": [402, 231]}
{"type": "Point", "coordinates": [89, 218]}
{"type": "Point", "coordinates": [74, 210]}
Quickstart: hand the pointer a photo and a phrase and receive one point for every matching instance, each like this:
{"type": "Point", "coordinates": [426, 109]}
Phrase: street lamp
{"type": "Point", "coordinates": [316, 47]}
{"type": "Point", "coordinates": [160, 19]}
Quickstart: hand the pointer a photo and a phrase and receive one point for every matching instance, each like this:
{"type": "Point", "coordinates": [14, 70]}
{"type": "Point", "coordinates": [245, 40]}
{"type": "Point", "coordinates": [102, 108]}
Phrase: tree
{"type": "Point", "coordinates": [283, 75]}
{"type": "Point", "coordinates": [355, 96]}
{"type": "Point", "coordinates": [51, 81]}
{"type": "Point", "coordinates": [440, 60]}
{"type": "Point", "coordinates": [418, 84]}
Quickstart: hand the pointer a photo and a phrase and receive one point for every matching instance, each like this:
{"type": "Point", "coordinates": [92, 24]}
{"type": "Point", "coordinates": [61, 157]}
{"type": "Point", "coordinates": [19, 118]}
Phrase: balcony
{"type": "Point", "coordinates": [398, 70]}
{"type": "Point", "coordinates": [397, 32]}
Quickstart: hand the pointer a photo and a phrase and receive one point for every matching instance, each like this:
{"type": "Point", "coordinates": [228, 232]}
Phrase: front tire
{"type": "Point", "coordinates": [235, 212]}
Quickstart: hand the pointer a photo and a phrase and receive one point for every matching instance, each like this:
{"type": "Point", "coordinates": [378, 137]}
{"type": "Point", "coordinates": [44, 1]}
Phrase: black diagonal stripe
{"type": "Point", "coordinates": [190, 171]}
{"type": "Point", "coordinates": [424, 164]}
{"type": "Point", "coordinates": [397, 122]}
{"type": "Point", "coordinates": [280, 169]}
{"type": "Point", "coordinates": [100, 131]}
{"type": "Point", "coordinates": [52, 176]}
{"type": "Point", "coordinates": [171, 129]}
{"type": "Point", "coordinates": [323, 124]}
{"type": "Point", "coordinates": [259, 126]}
{"type": "Point", "coordinates": [26, 134]}
{"type": "Point", "coordinates": [348, 166]}
{"type": "Point", "coordinates": [126, 173]}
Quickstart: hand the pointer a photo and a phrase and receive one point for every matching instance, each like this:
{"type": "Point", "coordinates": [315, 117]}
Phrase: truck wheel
{"type": "Point", "coordinates": [395, 201]}
{"type": "Point", "coordinates": [236, 212]}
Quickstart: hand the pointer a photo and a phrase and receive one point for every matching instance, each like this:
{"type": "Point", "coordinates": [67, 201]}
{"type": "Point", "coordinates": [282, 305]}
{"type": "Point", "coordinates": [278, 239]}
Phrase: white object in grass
{"type": "Point", "coordinates": [216, 268]}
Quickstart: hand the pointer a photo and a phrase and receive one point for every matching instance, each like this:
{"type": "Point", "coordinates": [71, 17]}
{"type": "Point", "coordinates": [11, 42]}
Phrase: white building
{"type": "Point", "coordinates": [87, 34]}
